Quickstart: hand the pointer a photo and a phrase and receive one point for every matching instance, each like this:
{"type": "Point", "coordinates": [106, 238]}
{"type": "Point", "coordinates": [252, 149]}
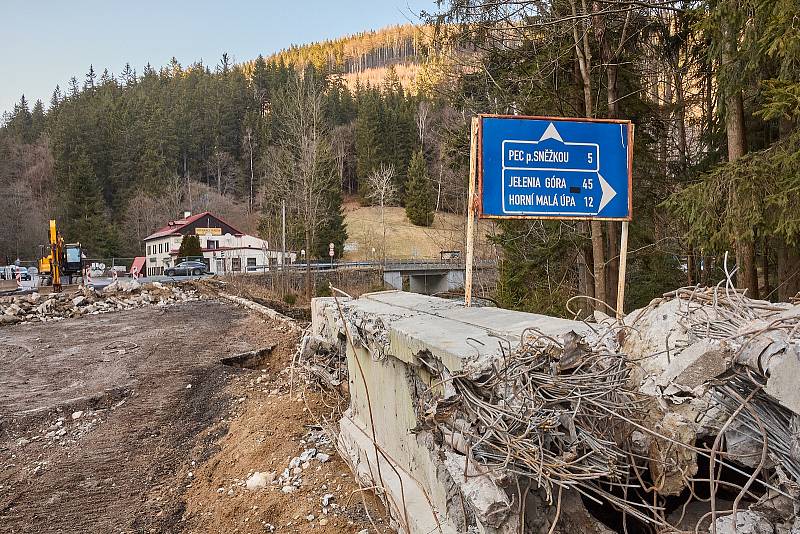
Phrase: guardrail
{"type": "Point", "coordinates": [391, 264]}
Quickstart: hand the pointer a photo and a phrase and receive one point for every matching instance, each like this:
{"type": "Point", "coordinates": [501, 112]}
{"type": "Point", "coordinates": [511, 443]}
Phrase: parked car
{"type": "Point", "coordinates": [187, 268]}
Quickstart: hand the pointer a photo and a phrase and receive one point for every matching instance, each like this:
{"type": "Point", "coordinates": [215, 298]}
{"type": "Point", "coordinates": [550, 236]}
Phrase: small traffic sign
{"type": "Point", "coordinates": [555, 168]}
{"type": "Point", "coordinates": [330, 250]}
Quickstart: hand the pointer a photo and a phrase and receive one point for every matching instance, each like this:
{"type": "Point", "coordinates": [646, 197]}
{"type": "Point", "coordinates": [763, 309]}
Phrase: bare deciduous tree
{"type": "Point", "coordinates": [302, 166]}
{"type": "Point", "coordinates": [223, 166]}
{"type": "Point", "coordinates": [248, 141]}
{"type": "Point", "coordinates": [423, 112]}
{"type": "Point", "coordinates": [382, 192]}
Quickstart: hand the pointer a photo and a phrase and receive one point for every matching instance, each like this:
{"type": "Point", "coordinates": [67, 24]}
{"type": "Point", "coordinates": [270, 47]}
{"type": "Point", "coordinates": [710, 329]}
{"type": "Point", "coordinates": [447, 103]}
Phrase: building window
{"type": "Point", "coordinates": [251, 262]}
{"type": "Point", "coordinates": [212, 245]}
{"type": "Point", "coordinates": [236, 264]}
{"type": "Point", "coordinates": [148, 250]}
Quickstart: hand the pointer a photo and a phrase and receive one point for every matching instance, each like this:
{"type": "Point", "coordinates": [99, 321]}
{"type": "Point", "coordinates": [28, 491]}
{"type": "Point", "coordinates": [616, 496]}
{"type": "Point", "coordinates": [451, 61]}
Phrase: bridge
{"type": "Point", "coordinates": [425, 276]}
{"type": "Point", "coordinates": [429, 276]}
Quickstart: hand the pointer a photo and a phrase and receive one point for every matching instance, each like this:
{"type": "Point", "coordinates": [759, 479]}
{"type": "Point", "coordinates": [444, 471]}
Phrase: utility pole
{"type": "Point", "coordinates": [283, 233]}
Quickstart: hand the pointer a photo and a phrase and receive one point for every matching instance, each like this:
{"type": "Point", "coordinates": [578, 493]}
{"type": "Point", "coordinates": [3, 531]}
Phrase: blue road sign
{"type": "Point", "coordinates": [555, 168]}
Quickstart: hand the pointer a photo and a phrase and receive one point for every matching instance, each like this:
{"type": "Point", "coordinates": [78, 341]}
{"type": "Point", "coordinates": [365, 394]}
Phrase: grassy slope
{"type": "Point", "coordinates": [403, 239]}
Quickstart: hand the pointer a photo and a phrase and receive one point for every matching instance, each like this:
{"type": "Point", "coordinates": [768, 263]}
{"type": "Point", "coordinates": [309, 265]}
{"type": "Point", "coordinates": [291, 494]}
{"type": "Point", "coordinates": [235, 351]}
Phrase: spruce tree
{"type": "Point", "coordinates": [190, 247]}
{"type": "Point", "coordinates": [37, 121]}
{"type": "Point", "coordinates": [368, 136]}
{"type": "Point", "coordinates": [419, 192]}
{"type": "Point", "coordinates": [332, 229]}
{"type": "Point", "coordinates": [85, 209]}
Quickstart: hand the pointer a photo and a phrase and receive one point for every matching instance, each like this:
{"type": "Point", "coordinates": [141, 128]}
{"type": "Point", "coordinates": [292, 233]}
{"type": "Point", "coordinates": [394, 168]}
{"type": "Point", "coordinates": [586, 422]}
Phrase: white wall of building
{"type": "Point", "coordinates": [157, 252]}
{"type": "Point", "coordinates": [224, 254]}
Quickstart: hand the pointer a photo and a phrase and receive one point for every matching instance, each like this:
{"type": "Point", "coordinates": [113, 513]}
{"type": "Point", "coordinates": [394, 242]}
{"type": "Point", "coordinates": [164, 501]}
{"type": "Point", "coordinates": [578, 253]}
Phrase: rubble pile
{"type": "Point", "coordinates": [119, 295]}
{"type": "Point", "coordinates": [684, 416]}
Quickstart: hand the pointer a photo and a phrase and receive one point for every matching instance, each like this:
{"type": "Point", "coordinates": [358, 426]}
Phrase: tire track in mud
{"type": "Point", "coordinates": [124, 474]}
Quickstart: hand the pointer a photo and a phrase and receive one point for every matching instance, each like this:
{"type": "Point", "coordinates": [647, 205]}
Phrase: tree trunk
{"type": "Point", "coordinates": [598, 256]}
{"type": "Point", "coordinates": [584, 56]}
{"type": "Point", "coordinates": [308, 263]}
{"type": "Point", "coordinates": [691, 279]}
{"type": "Point", "coordinates": [788, 270]}
{"type": "Point", "coordinates": [765, 270]}
{"type": "Point", "coordinates": [612, 228]}
{"type": "Point", "coordinates": [747, 277]}
{"type": "Point", "coordinates": [585, 284]}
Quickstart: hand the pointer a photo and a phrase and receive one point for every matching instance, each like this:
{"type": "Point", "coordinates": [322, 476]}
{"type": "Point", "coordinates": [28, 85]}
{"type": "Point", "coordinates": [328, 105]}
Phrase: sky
{"type": "Point", "coordinates": [46, 42]}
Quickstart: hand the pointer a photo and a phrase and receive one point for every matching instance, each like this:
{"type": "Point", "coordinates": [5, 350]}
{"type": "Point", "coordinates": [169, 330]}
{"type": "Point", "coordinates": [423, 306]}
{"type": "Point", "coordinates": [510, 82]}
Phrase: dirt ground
{"type": "Point", "coordinates": [129, 422]}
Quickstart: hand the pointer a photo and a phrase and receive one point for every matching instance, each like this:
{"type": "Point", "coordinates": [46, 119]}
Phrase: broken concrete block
{"type": "Point", "coordinates": [745, 522]}
{"type": "Point", "coordinates": [670, 465]}
{"type": "Point", "coordinates": [692, 367]}
{"type": "Point", "coordinates": [782, 381]}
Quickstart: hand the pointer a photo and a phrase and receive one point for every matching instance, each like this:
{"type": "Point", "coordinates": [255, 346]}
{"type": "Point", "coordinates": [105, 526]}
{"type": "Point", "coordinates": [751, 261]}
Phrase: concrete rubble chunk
{"type": "Point", "coordinates": [690, 368]}
{"type": "Point", "coordinates": [745, 522]}
{"type": "Point", "coordinates": [257, 480]}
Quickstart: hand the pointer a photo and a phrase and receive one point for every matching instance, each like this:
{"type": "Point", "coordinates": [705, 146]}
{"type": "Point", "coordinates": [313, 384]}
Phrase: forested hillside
{"type": "Point", "coordinates": [365, 57]}
{"type": "Point", "coordinates": [712, 87]}
{"type": "Point", "coordinates": [115, 156]}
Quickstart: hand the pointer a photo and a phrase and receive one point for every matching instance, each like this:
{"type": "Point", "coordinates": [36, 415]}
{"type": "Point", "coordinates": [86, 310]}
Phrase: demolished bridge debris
{"type": "Point", "coordinates": [119, 295]}
{"type": "Point", "coordinates": [679, 417]}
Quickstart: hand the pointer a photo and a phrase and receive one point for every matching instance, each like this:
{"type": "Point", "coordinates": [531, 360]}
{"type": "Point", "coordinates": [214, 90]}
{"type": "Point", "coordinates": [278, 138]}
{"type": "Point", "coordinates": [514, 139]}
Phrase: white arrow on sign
{"type": "Point", "coordinates": [608, 192]}
{"type": "Point", "coordinates": [551, 133]}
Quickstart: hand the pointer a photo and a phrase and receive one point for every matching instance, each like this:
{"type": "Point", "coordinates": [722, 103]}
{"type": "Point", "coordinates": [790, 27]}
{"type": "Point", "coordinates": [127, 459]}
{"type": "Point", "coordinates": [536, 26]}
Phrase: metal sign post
{"type": "Point", "coordinates": [550, 168]}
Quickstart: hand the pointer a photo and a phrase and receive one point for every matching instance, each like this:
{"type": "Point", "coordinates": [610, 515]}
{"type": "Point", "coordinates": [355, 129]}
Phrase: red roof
{"type": "Point", "coordinates": [175, 227]}
{"type": "Point", "coordinates": [138, 264]}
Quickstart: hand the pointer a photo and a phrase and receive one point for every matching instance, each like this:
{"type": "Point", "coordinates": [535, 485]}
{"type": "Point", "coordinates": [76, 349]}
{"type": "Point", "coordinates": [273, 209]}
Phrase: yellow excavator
{"type": "Point", "coordinates": [62, 260]}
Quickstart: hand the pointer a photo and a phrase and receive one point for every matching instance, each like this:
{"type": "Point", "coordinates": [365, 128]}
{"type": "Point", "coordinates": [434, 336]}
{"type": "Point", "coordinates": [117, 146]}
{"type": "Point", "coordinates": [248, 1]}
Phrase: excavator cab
{"type": "Point", "coordinates": [59, 260]}
{"type": "Point", "coordinates": [73, 259]}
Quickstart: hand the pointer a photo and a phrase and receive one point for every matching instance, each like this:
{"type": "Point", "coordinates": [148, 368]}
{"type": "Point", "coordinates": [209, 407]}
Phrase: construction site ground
{"type": "Point", "coordinates": [130, 422]}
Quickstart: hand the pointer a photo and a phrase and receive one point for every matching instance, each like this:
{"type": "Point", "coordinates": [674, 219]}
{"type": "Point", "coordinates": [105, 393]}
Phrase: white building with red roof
{"type": "Point", "coordinates": [225, 248]}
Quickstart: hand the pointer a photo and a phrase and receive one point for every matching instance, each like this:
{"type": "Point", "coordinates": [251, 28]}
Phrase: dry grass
{"type": "Point", "coordinates": [403, 239]}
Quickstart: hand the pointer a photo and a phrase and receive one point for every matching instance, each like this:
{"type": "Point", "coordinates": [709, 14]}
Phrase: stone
{"type": "Point", "coordinates": [746, 522]}
{"type": "Point", "coordinates": [307, 455]}
{"type": "Point", "coordinates": [288, 489]}
{"type": "Point", "coordinates": [322, 457]}
{"type": "Point", "coordinates": [77, 415]}
{"type": "Point", "coordinates": [79, 300]}
{"type": "Point", "coordinates": [257, 480]}
{"type": "Point", "coordinates": [323, 522]}
{"type": "Point", "coordinates": [327, 499]}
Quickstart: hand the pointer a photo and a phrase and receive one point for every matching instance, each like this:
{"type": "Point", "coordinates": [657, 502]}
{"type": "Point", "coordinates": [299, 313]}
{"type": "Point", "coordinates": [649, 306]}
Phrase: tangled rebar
{"type": "Point", "coordinates": [550, 413]}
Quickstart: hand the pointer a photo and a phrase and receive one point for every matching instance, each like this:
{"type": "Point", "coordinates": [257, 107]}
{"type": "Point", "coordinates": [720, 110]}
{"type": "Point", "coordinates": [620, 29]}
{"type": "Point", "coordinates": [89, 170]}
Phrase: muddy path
{"type": "Point", "coordinates": [105, 419]}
